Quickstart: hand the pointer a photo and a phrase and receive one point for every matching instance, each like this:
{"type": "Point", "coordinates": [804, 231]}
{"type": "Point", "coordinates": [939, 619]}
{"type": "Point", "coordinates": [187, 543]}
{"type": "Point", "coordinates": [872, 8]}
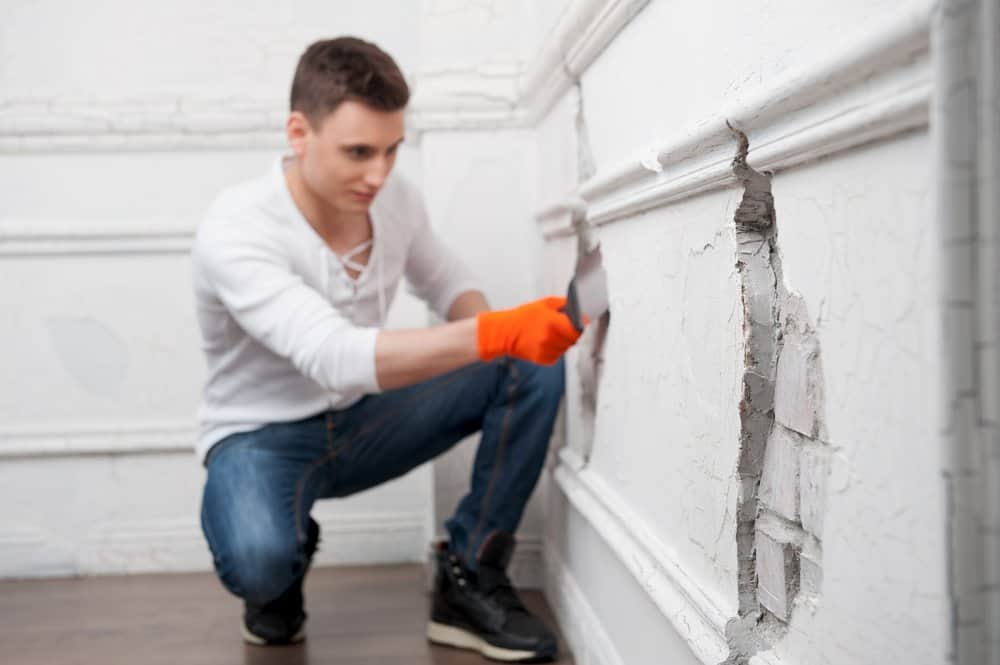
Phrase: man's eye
{"type": "Point", "coordinates": [359, 153]}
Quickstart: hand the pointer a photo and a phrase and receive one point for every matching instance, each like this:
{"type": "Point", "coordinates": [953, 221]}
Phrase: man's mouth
{"type": "Point", "coordinates": [363, 196]}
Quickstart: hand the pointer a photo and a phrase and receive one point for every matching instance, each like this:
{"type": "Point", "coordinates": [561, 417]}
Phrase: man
{"type": "Point", "coordinates": [308, 398]}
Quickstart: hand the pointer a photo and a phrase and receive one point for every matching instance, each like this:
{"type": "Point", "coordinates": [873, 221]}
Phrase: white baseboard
{"type": "Point", "coordinates": [177, 545]}
{"type": "Point", "coordinates": [107, 439]}
{"type": "Point", "coordinates": [580, 625]}
{"type": "Point", "coordinates": [696, 616]}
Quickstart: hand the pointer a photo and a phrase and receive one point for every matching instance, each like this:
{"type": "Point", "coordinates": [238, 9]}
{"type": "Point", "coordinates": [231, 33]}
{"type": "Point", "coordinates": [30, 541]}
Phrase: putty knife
{"type": "Point", "coordinates": [587, 294]}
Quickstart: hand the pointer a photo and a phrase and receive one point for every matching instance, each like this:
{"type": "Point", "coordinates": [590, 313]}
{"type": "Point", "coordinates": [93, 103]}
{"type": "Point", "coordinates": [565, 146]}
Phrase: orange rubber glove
{"type": "Point", "coordinates": [536, 331]}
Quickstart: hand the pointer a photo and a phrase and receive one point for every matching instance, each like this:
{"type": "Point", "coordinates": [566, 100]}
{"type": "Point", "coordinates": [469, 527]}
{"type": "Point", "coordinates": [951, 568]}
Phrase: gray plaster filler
{"type": "Point", "coordinates": [771, 317]}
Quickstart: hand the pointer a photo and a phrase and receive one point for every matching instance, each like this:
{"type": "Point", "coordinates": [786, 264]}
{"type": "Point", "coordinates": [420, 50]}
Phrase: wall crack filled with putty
{"type": "Point", "coordinates": [590, 357]}
{"type": "Point", "coordinates": [783, 462]}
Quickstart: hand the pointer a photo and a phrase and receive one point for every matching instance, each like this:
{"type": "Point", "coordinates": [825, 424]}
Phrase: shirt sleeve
{"type": "Point", "coordinates": [434, 272]}
{"type": "Point", "coordinates": [254, 280]}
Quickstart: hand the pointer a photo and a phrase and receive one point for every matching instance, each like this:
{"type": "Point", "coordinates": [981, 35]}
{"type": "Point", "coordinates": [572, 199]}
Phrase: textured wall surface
{"type": "Point", "coordinates": [795, 535]}
{"type": "Point", "coordinates": [856, 239]}
{"type": "Point", "coordinates": [666, 417]}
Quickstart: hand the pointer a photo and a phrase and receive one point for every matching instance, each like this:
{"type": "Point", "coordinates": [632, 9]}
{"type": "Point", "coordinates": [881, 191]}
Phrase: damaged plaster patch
{"type": "Point", "coordinates": [758, 293]}
{"type": "Point", "coordinates": [783, 463]}
{"type": "Point", "coordinates": [590, 358]}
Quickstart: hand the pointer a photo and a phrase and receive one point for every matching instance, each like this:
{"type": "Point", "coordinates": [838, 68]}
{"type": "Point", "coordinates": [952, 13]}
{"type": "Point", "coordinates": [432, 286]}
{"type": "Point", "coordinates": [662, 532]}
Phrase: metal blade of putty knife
{"type": "Point", "coordinates": [587, 294]}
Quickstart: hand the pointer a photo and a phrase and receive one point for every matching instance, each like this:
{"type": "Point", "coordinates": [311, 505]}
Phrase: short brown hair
{"type": "Point", "coordinates": [333, 71]}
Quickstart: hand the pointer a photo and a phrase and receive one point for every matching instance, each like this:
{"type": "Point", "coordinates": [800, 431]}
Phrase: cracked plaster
{"type": "Point", "coordinates": [779, 378]}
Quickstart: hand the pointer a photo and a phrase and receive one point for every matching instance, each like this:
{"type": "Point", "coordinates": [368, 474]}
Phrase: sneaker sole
{"type": "Point", "coordinates": [256, 640]}
{"type": "Point", "coordinates": [440, 633]}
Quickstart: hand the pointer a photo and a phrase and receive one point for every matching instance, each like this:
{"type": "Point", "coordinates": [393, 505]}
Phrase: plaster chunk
{"type": "Point", "coordinates": [777, 574]}
{"type": "Point", "coordinates": [779, 487]}
{"type": "Point", "coordinates": [796, 393]}
{"type": "Point", "coordinates": [810, 573]}
{"type": "Point", "coordinates": [813, 476]}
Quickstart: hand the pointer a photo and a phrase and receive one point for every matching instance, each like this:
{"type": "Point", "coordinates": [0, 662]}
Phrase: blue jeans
{"type": "Point", "coordinates": [262, 484]}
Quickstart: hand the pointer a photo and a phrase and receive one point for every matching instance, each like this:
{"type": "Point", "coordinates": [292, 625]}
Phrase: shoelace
{"type": "Point", "coordinates": [348, 258]}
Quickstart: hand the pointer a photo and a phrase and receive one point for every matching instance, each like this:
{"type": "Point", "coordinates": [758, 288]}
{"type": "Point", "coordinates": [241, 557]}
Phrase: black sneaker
{"type": "Point", "coordinates": [482, 612]}
{"type": "Point", "coordinates": [282, 620]}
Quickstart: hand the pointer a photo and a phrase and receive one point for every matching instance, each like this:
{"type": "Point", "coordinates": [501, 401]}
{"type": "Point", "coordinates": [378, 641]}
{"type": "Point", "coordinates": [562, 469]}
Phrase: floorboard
{"type": "Point", "coordinates": [373, 615]}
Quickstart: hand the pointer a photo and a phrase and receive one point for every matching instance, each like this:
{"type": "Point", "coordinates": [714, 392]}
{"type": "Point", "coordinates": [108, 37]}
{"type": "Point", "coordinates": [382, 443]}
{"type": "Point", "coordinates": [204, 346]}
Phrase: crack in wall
{"type": "Point", "coordinates": [758, 294]}
{"type": "Point", "coordinates": [783, 463]}
{"type": "Point", "coordinates": [590, 358]}
{"type": "Point", "coordinates": [754, 219]}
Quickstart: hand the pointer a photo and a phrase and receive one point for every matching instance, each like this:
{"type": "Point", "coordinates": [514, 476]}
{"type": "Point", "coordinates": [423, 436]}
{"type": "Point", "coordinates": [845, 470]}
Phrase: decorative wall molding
{"type": "Point", "coordinates": [20, 238]}
{"type": "Point", "coordinates": [490, 97]}
{"type": "Point", "coordinates": [876, 86]}
{"type": "Point", "coordinates": [64, 441]}
{"type": "Point", "coordinates": [178, 544]}
{"type": "Point", "coordinates": [507, 97]}
{"type": "Point", "coordinates": [698, 619]}
{"type": "Point", "coordinates": [580, 624]}
{"type": "Point", "coordinates": [119, 125]}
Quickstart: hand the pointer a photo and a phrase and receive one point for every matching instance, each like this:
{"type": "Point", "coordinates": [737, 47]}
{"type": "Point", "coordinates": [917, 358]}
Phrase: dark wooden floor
{"type": "Point", "coordinates": [357, 616]}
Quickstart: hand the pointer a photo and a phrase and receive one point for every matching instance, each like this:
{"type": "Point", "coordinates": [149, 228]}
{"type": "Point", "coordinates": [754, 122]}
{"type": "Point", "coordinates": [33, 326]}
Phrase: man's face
{"type": "Point", "coordinates": [346, 159]}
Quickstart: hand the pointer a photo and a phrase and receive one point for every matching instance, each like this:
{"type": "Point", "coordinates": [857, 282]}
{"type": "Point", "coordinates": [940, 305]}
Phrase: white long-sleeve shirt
{"type": "Point", "coordinates": [286, 332]}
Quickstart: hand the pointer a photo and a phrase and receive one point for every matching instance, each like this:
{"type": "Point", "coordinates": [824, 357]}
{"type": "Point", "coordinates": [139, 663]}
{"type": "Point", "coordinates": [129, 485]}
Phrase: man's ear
{"type": "Point", "coordinates": [297, 128]}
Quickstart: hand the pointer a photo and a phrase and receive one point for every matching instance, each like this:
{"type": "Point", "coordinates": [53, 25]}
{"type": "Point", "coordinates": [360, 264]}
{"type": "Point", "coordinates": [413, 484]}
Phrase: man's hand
{"type": "Point", "coordinates": [538, 331]}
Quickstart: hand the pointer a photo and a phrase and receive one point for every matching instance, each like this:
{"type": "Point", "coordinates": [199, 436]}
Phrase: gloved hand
{"type": "Point", "coordinates": [536, 331]}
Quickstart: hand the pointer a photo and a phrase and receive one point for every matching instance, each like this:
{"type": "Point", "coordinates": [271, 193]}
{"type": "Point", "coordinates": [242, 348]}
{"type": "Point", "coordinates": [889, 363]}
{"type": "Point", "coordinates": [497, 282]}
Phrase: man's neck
{"type": "Point", "coordinates": [340, 230]}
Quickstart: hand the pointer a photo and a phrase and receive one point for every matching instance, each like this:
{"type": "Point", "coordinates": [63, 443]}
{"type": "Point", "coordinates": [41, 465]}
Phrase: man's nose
{"type": "Point", "coordinates": [378, 171]}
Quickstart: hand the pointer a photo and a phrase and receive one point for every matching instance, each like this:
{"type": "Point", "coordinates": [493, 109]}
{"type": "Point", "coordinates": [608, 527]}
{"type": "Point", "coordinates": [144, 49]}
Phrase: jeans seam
{"type": "Point", "coordinates": [501, 449]}
{"type": "Point", "coordinates": [300, 487]}
{"type": "Point", "coordinates": [315, 464]}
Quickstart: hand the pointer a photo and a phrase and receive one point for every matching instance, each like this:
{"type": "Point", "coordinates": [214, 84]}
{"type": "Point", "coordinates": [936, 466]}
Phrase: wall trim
{"type": "Point", "coordinates": [698, 619]}
{"type": "Point", "coordinates": [493, 97]}
{"type": "Point", "coordinates": [53, 124]}
{"type": "Point", "coordinates": [20, 238]}
{"type": "Point", "coordinates": [507, 97]}
{"type": "Point", "coordinates": [104, 439]}
{"type": "Point", "coordinates": [878, 85]}
{"type": "Point", "coordinates": [580, 624]}
{"type": "Point", "coordinates": [177, 544]}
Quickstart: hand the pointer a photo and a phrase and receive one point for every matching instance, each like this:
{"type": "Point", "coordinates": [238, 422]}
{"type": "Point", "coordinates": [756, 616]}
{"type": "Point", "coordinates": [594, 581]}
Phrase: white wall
{"type": "Point", "coordinates": [184, 49]}
{"type": "Point", "coordinates": [118, 124]}
{"type": "Point", "coordinates": [857, 239]}
{"type": "Point", "coordinates": [835, 99]}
